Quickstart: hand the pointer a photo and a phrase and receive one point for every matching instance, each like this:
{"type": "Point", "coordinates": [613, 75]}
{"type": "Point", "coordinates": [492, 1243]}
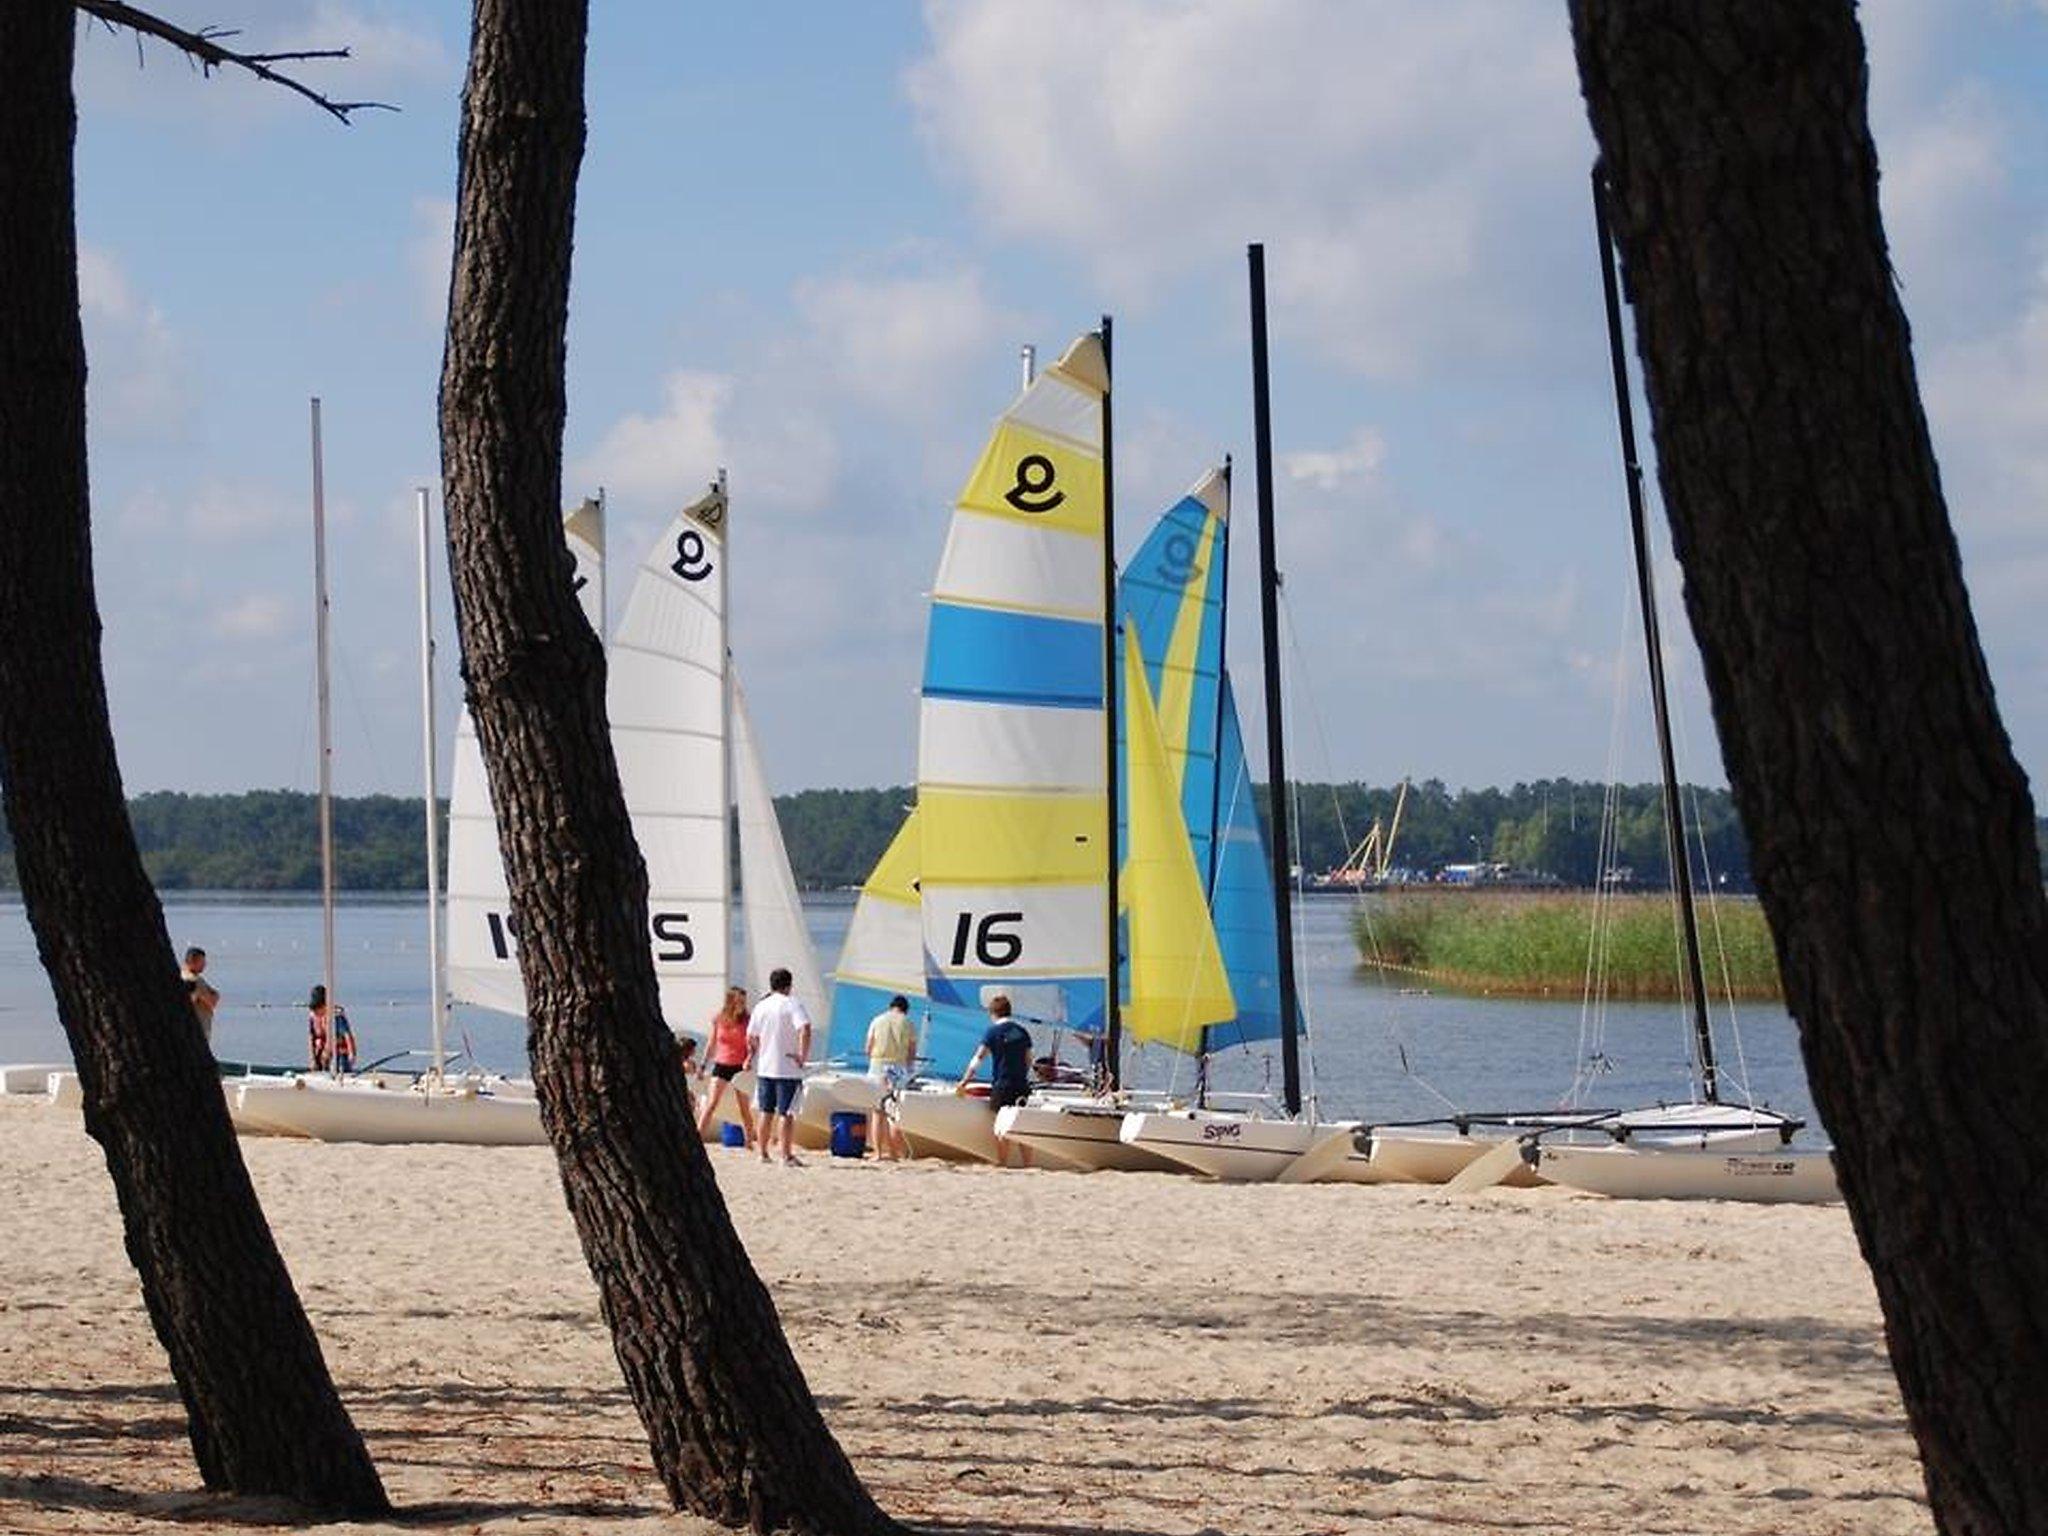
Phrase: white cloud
{"type": "Point", "coordinates": [670, 452]}
{"type": "Point", "coordinates": [223, 511]}
{"type": "Point", "coordinates": [1398, 159]}
{"type": "Point", "coordinates": [894, 340]}
{"type": "Point", "coordinates": [136, 374]}
{"type": "Point", "coordinates": [259, 617]}
{"type": "Point", "coordinates": [1989, 403]}
{"type": "Point", "coordinates": [1359, 461]}
{"type": "Point", "coordinates": [430, 253]}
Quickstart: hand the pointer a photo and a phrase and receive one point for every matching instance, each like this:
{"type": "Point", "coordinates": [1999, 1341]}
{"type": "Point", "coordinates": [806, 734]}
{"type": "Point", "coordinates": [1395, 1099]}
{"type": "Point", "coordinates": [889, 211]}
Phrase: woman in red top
{"type": "Point", "coordinates": [728, 1055]}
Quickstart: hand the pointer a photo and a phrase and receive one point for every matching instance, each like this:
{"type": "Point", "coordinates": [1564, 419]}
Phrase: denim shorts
{"type": "Point", "coordinates": [776, 1095]}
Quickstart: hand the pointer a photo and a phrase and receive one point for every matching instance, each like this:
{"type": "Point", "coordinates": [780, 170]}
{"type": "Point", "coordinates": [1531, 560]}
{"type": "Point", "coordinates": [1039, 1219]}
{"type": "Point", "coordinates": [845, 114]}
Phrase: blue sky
{"type": "Point", "coordinates": [810, 238]}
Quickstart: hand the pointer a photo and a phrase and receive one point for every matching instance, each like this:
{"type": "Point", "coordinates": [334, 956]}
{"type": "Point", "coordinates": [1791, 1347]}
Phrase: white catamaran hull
{"type": "Point", "coordinates": [1801, 1176]}
{"type": "Point", "coordinates": [356, 1109]}
{"type": "Point", "coordinates": [1241, 1149]}
{"type": "Point", "coordinates": [1435, 1154]}
{"type": "Point", "coordinates": [1082, 1136]}
{"type": "Point", "coordinates": [30, 1077]}
{"type": "Point", "coordinates": [1334, 1157]}
{"type": "Point", "coordinates": [828, 1093]}
{"type": "Point", "coordinates": [937, 1122]}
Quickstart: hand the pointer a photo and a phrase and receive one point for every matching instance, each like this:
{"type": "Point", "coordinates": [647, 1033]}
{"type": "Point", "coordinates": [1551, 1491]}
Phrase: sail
{"type": "Point", "coordinates": [1241, 900]}
{"type": "Point", "coordinates": [769, 906]}
{"type": "Point", "coordinates": [883, 957]}
{"type": "Point", "coordinates": [1172, 593]}
{"type": "Point", "coordinates": [1011, 782]}
{"type": "Point", "coordinates": [483, 956]}
{"type": "Point", "coordinates": [1177, 981]}
{"type": "Point", "coordinates": [667, 706]}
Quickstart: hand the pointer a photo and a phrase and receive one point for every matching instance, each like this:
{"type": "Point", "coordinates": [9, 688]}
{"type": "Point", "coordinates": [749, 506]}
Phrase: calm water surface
{"type": "Point", "coordinates": [1376, 1051]}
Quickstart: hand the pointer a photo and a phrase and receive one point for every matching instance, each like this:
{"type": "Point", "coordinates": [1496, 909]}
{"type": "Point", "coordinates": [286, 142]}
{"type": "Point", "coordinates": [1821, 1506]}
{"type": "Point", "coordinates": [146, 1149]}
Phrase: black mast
{"type": "Point", "coordinates": [1674, 825]}
{"type": "Point", "coordinates": [1269, 636]}
{"type": "Point", "coordinates": [1112, 660]}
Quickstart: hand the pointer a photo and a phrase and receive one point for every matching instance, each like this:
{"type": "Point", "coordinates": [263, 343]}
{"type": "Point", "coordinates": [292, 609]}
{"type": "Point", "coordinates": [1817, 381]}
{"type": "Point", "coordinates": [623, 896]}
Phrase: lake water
{"type": "Point", "coordinates": [1375, 1051]}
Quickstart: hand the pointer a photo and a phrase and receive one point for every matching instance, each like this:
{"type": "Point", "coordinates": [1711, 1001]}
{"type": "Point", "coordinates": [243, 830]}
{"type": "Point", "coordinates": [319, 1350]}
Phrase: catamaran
{"type": "Point", "coordinates": [1202, 960]}
{"type": "Point", "coordinates": [996, 880]}
{"type": "Point", "coordinates": [686, 751]}
{"type": "Point", "coordinates": [1708, 1146]}
{"type": "Point", "coordinates": [1249, 1143]}
{"type": "Point", "coordinates": [675, 707]}
{"type": "Point", "coordinates": [434, 1106]}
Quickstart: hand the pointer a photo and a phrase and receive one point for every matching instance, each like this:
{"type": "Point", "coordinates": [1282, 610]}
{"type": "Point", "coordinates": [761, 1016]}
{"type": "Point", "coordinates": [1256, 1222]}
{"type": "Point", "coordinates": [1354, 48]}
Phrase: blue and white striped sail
{"type": "Point", "coordinates": [1012, 813]}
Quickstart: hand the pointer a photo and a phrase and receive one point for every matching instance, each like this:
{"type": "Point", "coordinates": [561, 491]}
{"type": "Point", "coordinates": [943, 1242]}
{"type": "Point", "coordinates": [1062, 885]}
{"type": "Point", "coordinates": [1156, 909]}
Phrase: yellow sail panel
{"type": "Point", "coordinates": [1009, 837]}
{"type": "Point", "coordinates": [1177, 981]}
{"type": "Point", "coordinates": [894, 877]}
{"type": "Point", "coordinates": [1178, 669]}
{"type": "Point", "coordinates": [1034, 477]}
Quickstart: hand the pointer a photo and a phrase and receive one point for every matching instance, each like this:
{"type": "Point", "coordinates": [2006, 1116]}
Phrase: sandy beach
{"type": "Point", "coordinates": [1016, 1352]}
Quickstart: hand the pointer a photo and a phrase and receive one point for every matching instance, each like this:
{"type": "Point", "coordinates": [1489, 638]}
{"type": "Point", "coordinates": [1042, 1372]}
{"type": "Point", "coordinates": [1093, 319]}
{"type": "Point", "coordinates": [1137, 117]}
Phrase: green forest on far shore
{"type": "Point", "coordinates": [268, 840]}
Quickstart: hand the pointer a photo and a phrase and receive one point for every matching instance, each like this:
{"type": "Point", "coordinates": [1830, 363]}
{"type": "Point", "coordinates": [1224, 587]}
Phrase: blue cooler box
{"type": "Point", "coordinates": [849, 1133]}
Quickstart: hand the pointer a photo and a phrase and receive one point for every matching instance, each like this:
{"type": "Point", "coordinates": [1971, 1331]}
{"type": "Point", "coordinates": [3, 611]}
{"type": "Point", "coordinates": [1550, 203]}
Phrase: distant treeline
{"type": "Point", "coordinates": [268, 840]}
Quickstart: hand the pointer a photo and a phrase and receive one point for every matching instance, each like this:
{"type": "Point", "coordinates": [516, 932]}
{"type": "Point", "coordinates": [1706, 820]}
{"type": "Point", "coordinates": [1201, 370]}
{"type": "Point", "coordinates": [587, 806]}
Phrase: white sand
{"type": "Point", "coordinates": [1034, 1352]}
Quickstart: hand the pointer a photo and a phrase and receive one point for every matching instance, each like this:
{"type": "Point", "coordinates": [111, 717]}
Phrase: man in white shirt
{"type": "Point", "coordinates": [778, 1048]}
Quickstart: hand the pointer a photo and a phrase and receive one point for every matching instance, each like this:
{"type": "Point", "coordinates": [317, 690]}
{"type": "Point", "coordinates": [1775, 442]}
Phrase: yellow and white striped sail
{"type": "Point", "coordinates": [1177, 981]}
{"type": "Point", "coordinates": [1011, 773]}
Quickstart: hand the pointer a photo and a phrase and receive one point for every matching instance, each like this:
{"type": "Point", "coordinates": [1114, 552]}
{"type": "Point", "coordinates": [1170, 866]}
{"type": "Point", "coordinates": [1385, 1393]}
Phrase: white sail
{"type": "Point", "coordinates": [776, 932]}
{"type": "Point", "coordinates": [483, 957]}
{"type": "Point", "coordinates": [667, 706]}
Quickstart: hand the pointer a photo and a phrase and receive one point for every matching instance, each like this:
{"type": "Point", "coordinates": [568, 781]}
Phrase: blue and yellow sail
{"type": "Point", "coordinates": [1174, 597]}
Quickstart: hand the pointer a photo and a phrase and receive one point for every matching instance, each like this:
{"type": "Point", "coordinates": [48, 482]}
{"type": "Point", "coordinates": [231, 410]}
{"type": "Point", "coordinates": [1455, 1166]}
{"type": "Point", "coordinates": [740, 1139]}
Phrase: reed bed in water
{"type": "Point", "coordinates": [1535, 944]}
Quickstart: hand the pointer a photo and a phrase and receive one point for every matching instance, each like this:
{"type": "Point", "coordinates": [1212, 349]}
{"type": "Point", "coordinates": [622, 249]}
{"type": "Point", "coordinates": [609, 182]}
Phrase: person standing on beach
{"type": "Point", "coordinates": [779, 1046]}
{"type": "Point", "coordinates": [319, 1030]}
{"type": "Point", "coordinates": [1007, 1046]}
{"type": "Point", "coordinates": [728, 1059]}
{"type": "Point", "coordinates": [890, 1042]}
{"type": "Point", "coordinates": [204, 997]}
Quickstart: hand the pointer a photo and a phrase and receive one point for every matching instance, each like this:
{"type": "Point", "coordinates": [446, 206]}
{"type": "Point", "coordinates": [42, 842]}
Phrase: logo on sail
{"type": "Point", "coordinates": [1034, 491]}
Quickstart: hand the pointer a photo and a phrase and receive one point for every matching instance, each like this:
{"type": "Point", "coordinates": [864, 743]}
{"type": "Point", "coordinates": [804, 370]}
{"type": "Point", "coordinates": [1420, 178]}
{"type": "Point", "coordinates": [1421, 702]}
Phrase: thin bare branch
{"type": "Point", "coordinates": [205, 48]}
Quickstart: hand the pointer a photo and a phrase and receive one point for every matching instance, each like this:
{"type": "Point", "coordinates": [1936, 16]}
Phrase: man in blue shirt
{"type": "Point", "coordinates": [1007, 1045]}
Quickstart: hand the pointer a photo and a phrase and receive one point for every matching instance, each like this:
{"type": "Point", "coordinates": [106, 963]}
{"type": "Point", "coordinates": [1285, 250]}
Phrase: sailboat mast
{"type": "Point", "coordinates": [1674, 825]}
{"type": "Point", "coordinates": [438, 983]}
{"type": "Point", "coordinates": [726, 830]}
{"type": "Point", "coordinates": [326, 733]}
{"type": "Point", "coordinates": [1269, 639]}
{"type": "Point", "coordinates": [1027, 361]}
{"type": "Point", "coordinates": [1112, 1010]}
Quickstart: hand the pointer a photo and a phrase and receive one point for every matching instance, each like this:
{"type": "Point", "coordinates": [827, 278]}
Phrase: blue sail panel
{"type": "Point", "coordinates": [1241, 899]}
{"type": "Point", "coordinates": [1172, 593]}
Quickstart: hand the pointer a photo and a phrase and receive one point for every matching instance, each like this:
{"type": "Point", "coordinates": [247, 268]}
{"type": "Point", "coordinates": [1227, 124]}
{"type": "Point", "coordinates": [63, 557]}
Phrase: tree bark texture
{"type": "Point", "coordinates": [735, 1432]}
{"type": "Point", "coordinates": [262, 1411]}
{"type": "Point", "coordinates": [1892, 829]}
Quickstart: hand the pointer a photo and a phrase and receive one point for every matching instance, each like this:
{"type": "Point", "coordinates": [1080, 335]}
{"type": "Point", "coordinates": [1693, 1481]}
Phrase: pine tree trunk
{"type": "Point", "coordinates": [735, 1433]}
{"type": "Point", "coordinates": [1892, 831]}
{"type": "Point", "coordinates": [262, 1412]}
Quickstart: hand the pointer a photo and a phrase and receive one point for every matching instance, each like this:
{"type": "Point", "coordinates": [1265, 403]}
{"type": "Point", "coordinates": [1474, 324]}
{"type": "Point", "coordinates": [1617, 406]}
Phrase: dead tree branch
{"type": "Point", "coordinates": [205, 47]}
